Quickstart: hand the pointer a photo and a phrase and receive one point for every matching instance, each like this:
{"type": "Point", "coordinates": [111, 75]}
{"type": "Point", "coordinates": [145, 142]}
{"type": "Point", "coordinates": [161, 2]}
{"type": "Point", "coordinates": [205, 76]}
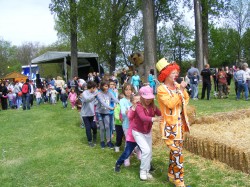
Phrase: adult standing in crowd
{"type": "Point", "coordinates": [151, 80]}
{"type": "Point", "coordinates": [222, 83]}
{"type": "Point", "coordinates": [173, 99]}
{"type": "Point", "coordinates": [18, 91]}
{"type": "Point", "coordinates": [124, 76]}
{"type": "Point", "coordinates": [97, 78]}
{"type": "Point", "coordinates": [241, 79]}
{"type": "Point", "coordinates": [247, 70]}
{"type": "Point", "coordinates": [135, 81]}
{"type": "Point", "coordinates": [229, 75]}
{"type": "Point", "coordinates": [26, 95]}
{"type": "Point", "coordinates": [214, 75]}
{"type": "Point", "coordinates": [206, 81]}
{"type": "Point", "coordinates": [235, 69]}
{"type": "Point", "coordinates": [193, 75]}
{"type": "Point", "coordinates": [52, 82]}
{"type": "Point", "coordinates": [32, 90]}
{"type": "Point", "coordinates": [3, 94]}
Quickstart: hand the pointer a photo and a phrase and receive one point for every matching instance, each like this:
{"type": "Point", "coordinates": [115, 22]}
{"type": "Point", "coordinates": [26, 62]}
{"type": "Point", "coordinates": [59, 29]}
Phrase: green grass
{"type": "Point", "coordinates": [46, 147]}
{"type": "Point", "coordinates": [209, 107]}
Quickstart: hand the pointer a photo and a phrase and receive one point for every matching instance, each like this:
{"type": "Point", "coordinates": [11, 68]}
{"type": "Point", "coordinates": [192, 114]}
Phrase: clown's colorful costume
{"type": "Point", "coordinates": [173, 104]}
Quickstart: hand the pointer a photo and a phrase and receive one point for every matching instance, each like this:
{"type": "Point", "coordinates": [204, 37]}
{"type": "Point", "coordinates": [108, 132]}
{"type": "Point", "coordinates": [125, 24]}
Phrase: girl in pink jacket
{"type": "Point", "coordinates": [141, 128]}
{"type": "Point", "coordinates": [72, 98]}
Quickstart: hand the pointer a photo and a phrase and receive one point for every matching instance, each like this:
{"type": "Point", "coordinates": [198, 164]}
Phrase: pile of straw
{"type": "Point", "coordinates": [224, 116]}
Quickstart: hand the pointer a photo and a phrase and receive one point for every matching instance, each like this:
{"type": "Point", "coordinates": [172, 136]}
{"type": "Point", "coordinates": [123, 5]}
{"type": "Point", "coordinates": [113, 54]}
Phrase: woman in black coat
{"type": "Point", "coordinates": [4, 96]}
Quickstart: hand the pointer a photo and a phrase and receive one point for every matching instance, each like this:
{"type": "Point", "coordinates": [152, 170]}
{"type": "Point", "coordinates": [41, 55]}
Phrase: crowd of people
{"type": "Point", "coordinates": [221, 79]}
{"type": "Point", "coordinates": [127, 114]}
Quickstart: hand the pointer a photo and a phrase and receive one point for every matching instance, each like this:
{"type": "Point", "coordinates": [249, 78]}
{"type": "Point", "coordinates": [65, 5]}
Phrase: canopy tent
{"type": "Point", "coordinates": [87, 62]}
{"type": "Point", "coordinates": [15, 76]}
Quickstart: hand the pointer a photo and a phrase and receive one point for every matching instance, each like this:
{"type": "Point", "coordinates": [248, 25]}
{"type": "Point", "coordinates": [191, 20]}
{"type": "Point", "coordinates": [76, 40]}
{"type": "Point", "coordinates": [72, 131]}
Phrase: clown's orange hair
{"type": "Point", "coordinates": [166, 71]}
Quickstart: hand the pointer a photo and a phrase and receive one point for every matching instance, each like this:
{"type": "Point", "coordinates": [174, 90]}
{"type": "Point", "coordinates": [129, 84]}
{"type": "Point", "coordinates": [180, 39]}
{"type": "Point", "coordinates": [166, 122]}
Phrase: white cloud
{"type": "Point", "coordinates": [27, 21]}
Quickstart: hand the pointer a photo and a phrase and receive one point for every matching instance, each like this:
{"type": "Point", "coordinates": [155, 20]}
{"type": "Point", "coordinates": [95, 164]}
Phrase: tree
{"type": "Point", "coordinates": [8, 58]}
{"type": "Point", "coordinates": [199, 35]}
{"type": "Point", "coordinates": [102, 24]}
{"type": "Point", "coordinates": [73, 38]}
{"type": "Point", "coordinates": [222, 46]}
{"type": "Point", "coordinates": [149, 37]}
{"type": "Point", "coordinates": [131, 41]}
{"type": "Point", "coordinates": [246, 45]}
{"type": "Point", "coordinates": [240, 17]}
{"type": "Point", "coordinates": [66, 24]}
{"type": "Point", "coordinates": [209, 9]}
{"type": "Point", "coordinates": [176, 43]}
{"type": "Point", "coordinates": [27, 51]}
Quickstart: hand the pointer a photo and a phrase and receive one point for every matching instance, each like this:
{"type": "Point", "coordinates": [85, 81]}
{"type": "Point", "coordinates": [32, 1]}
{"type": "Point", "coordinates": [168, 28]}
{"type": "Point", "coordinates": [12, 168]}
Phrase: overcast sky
{"type": "Point", "coordinates": [26, 21]}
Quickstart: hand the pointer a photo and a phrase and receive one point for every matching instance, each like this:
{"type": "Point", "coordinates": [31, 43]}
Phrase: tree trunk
{"type": "Point", "coordinates": [198, 35]}
{"type": "Point", "coordinates": [149, 38]}
{"type": "Point", "coordinates": [73, 39]}
{"type": "Point", "coordinates": [204, 14]}
{"type": "Point", "coordinates": [112, 56]}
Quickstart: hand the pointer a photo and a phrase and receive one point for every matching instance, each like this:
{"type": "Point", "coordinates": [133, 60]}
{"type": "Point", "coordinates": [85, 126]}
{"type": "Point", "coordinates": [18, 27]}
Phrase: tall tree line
{"type": "Point", "coordinates": [114, 29]}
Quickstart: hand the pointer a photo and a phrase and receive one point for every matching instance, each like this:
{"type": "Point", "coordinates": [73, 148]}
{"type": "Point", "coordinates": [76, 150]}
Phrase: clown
{"type": "Point", "coordinates": [173, 99]}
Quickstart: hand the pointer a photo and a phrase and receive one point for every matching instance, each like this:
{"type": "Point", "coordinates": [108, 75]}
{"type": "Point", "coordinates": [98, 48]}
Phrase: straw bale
{"type": "Point", "coordinates": [191, 112]}
{"type": "Point", "coordinates": [226, 138]}
{"type": "Point", "coordinates": [223, 116]}
{"type": "Point", "coordinates": [234, 157]}
{"type": "Point", "coordinates": [234, 132]}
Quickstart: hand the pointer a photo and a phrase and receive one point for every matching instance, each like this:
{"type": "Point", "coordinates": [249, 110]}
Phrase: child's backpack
{"type": "Point", "coordinates": [25, 88]}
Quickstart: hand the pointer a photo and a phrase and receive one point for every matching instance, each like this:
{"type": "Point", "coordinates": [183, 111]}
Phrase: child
{"type": "Point", "coordinates": [44, 96]}
{"type": "Point", "coordinates": [72, 98]}
{"type": "Point", "coordinates": [53, 93]}
{"type": "Point", "coordinates": [113, 91]}
{"type": "Point", "coordinates": [125, 104]}
{"type": "Point", "coordinates": [130, 141]}
{"type": "Point", "coordinates": [141, 128]}
{"type": "Point", "coordinates": [88, 113]}
{"type": "Point", "coordinates": [118, 124]}
{"type": "Point", "coordinates": [38, 96]}
{"type": "Point", "coordinates": [64, 98]}
{"type": "Point", "coordinates": [10, 96]}
{"type": "Point", "coordinates": [103, 109]}
{"type": "Point", "coordinates": [79, 107]}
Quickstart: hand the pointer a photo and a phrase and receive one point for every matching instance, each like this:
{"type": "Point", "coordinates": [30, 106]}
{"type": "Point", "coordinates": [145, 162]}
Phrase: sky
{"type": "Point", "coordinates": [27, 21]}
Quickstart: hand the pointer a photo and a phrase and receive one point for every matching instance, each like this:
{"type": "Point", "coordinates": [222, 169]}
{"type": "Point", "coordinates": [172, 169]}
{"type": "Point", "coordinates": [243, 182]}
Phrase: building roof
{"type": "Point", "coordinates": [14, 75]}
{"type": "Point", "coordinates": [58, 57]}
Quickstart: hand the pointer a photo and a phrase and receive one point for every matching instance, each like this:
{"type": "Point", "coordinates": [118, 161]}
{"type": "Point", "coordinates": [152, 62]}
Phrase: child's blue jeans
{"type": "Point", "coordinates": [127, 152]}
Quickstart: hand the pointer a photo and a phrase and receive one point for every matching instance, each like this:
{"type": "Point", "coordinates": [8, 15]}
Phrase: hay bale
{"type": "Point", "coordinates": [235, 158]}
{"type": "Point", "coordinates": [223, 116]}
{"type": "Point", "coordinates": [228, 137]}
{"type": "Point", "coordinates": [191, 113]}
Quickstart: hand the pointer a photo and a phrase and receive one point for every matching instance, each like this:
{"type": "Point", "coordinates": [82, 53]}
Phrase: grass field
{"type": "Point", "coordinates": [46, 147]}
